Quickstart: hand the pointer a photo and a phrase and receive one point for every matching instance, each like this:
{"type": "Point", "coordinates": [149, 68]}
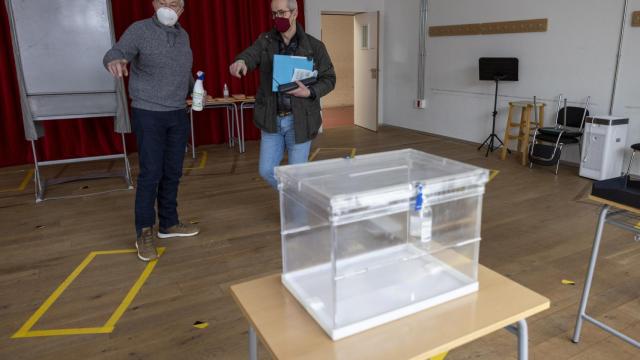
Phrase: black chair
{"type": "Point", "coordinates": [548, 142]}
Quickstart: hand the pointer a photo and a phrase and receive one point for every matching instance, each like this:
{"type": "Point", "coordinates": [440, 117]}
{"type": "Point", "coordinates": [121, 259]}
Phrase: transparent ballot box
{"type": "Point", "coordinates": [374, 238]}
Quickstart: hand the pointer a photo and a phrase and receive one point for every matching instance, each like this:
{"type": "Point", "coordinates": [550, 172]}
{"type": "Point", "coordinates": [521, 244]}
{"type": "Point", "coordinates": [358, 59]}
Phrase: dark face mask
{"type": "Point", "coordinates": [282, 24]}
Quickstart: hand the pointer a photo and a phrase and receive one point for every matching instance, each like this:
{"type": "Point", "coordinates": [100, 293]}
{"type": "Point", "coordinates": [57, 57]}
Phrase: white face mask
{"type": "Point", "coordinates": [167, 16]}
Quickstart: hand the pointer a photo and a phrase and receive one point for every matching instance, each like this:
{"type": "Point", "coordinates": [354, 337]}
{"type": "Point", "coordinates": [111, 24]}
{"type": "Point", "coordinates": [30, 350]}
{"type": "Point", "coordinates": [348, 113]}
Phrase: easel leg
{"type": "Point", "coordinates": [37, 177]}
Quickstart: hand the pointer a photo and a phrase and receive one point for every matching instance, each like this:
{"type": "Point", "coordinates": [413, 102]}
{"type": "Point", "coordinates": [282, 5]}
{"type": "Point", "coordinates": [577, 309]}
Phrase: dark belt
{"type": "Point", "coordinates": [284, 113]}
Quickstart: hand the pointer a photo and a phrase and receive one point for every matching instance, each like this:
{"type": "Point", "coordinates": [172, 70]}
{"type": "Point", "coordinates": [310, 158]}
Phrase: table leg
{"type": "Point", "coordinates": [236, 118]}
{"type": "Point", "coordinates": [235, 127]}
{"type": "Point", "coordinates": [521, 330]}
{"type": "Point", "coordinates": [193, 136]}
{"type": "Point", "coordinates": [507, 133]}
{"type": "Point", "coordinates": [526, 133]}
{"type": "Point", "coordinates": [230, 128]}
{"type": "Point", "coordinates": [589, 278]}
{"type": "Point", "coordinates": [523, 340]}
{"type": "Point", "coordinates": [253, 344]}
{"type": "Point", "coordinates": [242, 128]}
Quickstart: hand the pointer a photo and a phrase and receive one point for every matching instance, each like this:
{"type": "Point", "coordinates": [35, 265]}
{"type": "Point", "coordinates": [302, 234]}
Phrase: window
{"type": "Point", "coordinates": [365, 37]}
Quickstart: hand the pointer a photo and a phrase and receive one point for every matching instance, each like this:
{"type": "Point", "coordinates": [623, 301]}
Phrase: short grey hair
{"type": "Point", "coordinates": [292, 4]}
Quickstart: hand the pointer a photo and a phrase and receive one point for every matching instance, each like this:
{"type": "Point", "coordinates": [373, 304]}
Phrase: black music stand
{"type": "Point", "coordinates": [496, 69]}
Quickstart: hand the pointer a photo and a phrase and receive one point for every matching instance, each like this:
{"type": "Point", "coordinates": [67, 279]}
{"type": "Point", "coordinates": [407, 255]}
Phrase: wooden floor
{"type": "Point", "coordinates": [537, 229]}
{"type": "Point", "coordinates": [337, 117]}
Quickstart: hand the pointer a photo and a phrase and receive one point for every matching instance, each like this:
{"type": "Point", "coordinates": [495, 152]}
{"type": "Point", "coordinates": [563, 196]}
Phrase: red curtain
{"type": "Point", "coordinates": [219, 29]}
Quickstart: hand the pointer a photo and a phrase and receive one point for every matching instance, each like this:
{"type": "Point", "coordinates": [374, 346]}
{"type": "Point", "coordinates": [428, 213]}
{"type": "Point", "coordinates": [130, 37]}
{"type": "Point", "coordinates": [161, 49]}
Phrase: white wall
{"type": "Point", "coordinates": [575, 57]}
{"type": "Point", "coordinates": [313, 19]}
{"type": "Point", "coordinates": [628, 98]}
{"type": "Point", "coordinates": [337, 35]}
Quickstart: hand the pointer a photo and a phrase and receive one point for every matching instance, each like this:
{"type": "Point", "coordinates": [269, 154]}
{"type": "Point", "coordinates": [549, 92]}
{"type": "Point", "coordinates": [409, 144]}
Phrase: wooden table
{"type": "Point", "coordinates": [233, 120]}
{"type": "Point", "coordinates": [288, 332]}
{"type": "Point", "coordinates": [627, 218]}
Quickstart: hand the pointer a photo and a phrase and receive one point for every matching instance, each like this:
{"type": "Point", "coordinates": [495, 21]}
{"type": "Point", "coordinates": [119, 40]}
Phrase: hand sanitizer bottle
{"type": "Point", "coordinates": [421, 219]}
{"type": "Point", "coordinates": [198, 93]}
{"type": "Point", "coordinates": [225, 92]}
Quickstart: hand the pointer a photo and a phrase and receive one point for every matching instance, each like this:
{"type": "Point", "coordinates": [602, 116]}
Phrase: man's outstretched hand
{"type": "Point", "coordinates": [238, 69]}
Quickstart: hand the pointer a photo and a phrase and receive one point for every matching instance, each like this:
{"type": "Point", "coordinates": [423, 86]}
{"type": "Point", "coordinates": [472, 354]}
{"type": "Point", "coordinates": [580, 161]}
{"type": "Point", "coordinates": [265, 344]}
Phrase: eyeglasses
{"type": "Point", "coordinates": [280, 13]}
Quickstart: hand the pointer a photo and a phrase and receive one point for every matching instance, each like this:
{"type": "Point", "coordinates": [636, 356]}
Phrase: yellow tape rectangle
{"type": "Point", "coordinates": [203, 162]}
{"type": "Point", "coordinates": [26, 332]}
{"type": "Point", "coordinates": [318, 150]}
{"type": "Point", "coordinates": [23, 184]}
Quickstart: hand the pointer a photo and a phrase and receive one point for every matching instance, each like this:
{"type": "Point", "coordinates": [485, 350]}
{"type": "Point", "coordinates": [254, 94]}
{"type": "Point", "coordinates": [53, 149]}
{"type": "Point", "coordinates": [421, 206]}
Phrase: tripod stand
{"type": "Point", "coordinates": [490, 142]}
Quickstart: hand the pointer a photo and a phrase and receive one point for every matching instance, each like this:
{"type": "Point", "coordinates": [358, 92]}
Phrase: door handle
{"type": "Point", "coordinates": [374, 73]}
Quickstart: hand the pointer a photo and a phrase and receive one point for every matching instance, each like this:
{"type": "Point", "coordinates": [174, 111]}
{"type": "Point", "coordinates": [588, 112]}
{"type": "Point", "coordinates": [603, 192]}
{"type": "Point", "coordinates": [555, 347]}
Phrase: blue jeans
{"type": "Point", "coordinates": [162, 138]}
{"type": "Point", "coordinates": [272, 149]}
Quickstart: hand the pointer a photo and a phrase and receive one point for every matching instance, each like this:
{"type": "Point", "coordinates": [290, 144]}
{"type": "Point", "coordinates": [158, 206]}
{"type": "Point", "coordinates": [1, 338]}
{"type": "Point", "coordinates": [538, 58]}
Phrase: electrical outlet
{"type": "Point", "coordinates": [421, 104]}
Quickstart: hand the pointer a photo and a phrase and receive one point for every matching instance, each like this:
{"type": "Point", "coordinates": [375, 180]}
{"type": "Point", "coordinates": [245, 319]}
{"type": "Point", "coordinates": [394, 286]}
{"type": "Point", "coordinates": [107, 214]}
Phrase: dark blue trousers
{"type": "Point", "coordinates": [162, 138]}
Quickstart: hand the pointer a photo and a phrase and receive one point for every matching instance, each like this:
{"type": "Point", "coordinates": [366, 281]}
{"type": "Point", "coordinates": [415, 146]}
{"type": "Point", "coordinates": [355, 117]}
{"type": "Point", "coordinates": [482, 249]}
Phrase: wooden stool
{"type": "Point", "coordinates": [525, 127]}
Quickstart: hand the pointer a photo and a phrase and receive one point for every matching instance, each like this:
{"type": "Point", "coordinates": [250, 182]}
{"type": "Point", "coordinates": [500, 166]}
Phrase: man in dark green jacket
{"type": "Point", "coordinates": [288, 121]}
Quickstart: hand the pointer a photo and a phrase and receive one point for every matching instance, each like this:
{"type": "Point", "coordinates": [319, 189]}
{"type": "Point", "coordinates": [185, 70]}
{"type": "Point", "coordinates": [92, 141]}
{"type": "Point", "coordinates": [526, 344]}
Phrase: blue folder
{"type": "Point", "coordinates": [284, 67]}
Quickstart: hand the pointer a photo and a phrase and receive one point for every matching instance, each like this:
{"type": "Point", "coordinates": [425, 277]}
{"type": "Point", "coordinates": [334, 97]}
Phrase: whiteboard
{"type": "Point", "coordinates": [62, 43]}
{"type": "Point", "coordinates": [58, 48]}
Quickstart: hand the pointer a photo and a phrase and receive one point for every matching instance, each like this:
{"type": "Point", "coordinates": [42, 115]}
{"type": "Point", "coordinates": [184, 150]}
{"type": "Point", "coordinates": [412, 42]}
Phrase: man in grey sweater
{"type": "Point", "coordinates": [160, 55]}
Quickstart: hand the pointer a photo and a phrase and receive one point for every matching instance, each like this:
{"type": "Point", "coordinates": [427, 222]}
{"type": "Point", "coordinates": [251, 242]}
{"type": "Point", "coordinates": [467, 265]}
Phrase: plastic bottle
{"type": "Point", "coordinates": [225, 91]}
{"type": "Point", "coordinates": [421, 219]}
{"type": "Point", "coordinates": [198, 93]}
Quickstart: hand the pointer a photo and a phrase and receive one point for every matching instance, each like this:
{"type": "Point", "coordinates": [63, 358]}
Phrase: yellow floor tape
{"type": "Point", "coordinates": [201, 325]}
{"type": "Point", "coordinates": [26, 332]}
{"type": "Point", "coordinates": [440, 357]}
{"type": "Point", "coordinates": [352, 152]}
{"type": "Point", "coordinates": [315, 154]}
{"type": "Point", "coordinates": [203, 162]}
{"type": "Point", "coordinates": [493, 174]}
{"type": "Point", "coordinates": [23, 185]}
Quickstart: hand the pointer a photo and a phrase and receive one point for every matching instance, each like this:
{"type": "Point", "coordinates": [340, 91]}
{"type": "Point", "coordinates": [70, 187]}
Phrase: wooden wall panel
{"type": "Point", "coordinates": [456, 30]}
{"type": "Point", "coordinates": [504, 27]}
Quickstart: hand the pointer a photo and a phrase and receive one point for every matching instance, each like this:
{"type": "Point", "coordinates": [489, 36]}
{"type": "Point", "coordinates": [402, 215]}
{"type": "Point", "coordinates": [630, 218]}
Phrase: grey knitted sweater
{"type": "Point", "coordinates": [161, 62]}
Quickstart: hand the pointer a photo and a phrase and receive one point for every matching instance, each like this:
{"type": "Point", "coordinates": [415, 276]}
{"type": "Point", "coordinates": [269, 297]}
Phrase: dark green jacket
{"type": "Point", "coordinates": [306, 112]}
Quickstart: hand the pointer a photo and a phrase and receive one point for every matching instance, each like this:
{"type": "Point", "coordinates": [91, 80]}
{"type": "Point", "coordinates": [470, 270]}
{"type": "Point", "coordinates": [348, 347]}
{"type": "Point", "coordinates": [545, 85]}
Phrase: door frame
{"type": "Point", "coordinates": [378, 48]}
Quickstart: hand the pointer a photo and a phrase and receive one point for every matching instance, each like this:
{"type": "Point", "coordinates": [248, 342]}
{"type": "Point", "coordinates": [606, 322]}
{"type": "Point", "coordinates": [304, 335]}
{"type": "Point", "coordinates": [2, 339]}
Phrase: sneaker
{"type": "Point", "coordinates": [180, 230]}
{"type": "Point", "coordinates": [146, 246]}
